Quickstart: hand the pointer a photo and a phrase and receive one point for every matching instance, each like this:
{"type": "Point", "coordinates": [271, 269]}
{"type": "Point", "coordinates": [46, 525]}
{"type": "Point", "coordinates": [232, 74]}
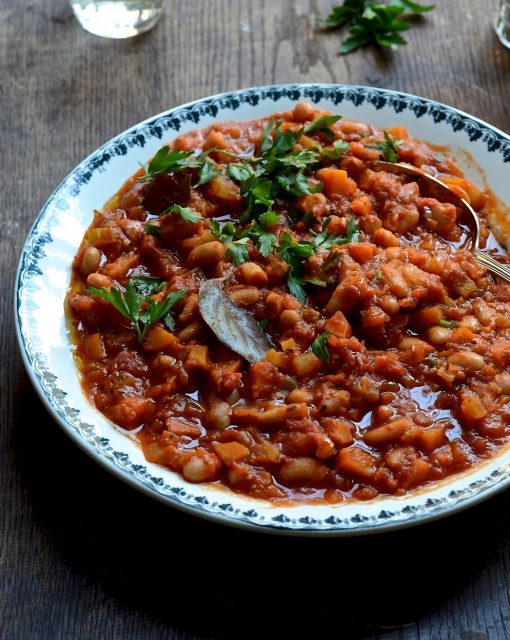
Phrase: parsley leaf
{"type": "Point", "coordinates": [266, 242]}
{"type": "Point", "coordinates": [291, 252]}
{"type": "Point", "coordinates": [340, 148]}
{"type": "Point", "coordinates": [135, 302]}
{"type": "Point", "coordinates": [322, 124]}
{"type": "Point", "coordinates": [151, 229]}
{"type": "Point", "coordinates": [187, 214]}
{"type": "Point", "coordinates": [320, 346]}
{"type": "Point", "coordinates": [388, 147]}
{"type": "Point", "coordinates": [414, 7]}
{"type": "Point", "coordinates": [326, 240]}
{"type": "Point", "coordinates": [237, 251]}
{"type": "Point", "coordinates": [208, 171]}
{"type": "Point", "coordinates": [168, 161]}
{"type": "Point", "coordinates": [146, 286]}
{"type": "Point", "coordinates": [240, 172]}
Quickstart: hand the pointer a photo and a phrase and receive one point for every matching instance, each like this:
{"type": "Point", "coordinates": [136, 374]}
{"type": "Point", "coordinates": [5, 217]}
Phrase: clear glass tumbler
{"type": "Point", "coordinates": [503, 23]}
{"type": "Point", "coordinates": [117, 18]}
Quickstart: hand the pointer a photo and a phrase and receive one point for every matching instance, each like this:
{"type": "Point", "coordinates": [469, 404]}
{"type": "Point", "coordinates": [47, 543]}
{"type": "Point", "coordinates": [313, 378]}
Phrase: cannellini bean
{"type": "Point", "coordinates": [299, 395]}
{"type": "Point", "coordinates": [303, 469]}
{"type": "Point", "coordinates": [467, 360]}
{"type": "Point", "coordinates": [99, 281]}
{"type": "Point", "coordinates": [289, 318]}
{"type": "Point", "coordinates": [438, 335]}
{"type": "Point", "coordinates": [503, 382]}
{"type": "Point", "coordinates": [164, 362]}
{"type": "Point", "coordinates": [201, 467]}
{"type": "Point", "coordinates": [397, 283]}
{"type": "Point", "coordinates": [90, 261]}
{"type": "Point", "coordinates": [390, 305]}
{"type": "Point", "coordinates": [470, 322]}
{"type": "Point", "coordinates": [253, 273]}
{"type": "Point", "coordinates": [246, 295]}
{"type": "Point", "coordinates": [218, 416]}
{"type": "Point", "coordinates": [206, 254]}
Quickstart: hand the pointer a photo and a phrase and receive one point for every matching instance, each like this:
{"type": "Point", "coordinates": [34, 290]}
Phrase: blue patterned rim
{"type": "Point", "coordinates": [46, 383]}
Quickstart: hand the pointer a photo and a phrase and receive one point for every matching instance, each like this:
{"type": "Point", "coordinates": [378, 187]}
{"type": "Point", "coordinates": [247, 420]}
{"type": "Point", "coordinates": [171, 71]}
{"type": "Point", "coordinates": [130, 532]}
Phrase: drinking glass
{"type": "Point", "coordinates": [503, 23]}
{"type": "Point", "coordinates": [117, 18]}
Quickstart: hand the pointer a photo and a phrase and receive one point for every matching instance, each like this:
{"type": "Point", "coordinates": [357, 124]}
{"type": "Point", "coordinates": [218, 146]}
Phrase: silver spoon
{"type": "Point", "coordinates": [442, 192]}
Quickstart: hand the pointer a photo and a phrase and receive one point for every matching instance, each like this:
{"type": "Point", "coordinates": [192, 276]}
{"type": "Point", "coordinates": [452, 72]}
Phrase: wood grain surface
{"type": "Point", "coordinates": [82, 556]}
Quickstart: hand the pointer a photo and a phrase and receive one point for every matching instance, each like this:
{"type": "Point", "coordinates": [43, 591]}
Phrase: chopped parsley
{"type": "Point", "coordinates": [388, 147]}
{"type": "Point", "coordinates": [136, 304]}
{"type": "Point", "coordinates": [340, 148]}
{"type": "Point", "coordinates": [208, 171]}
{"type": "Point", "coordinates": [320, 346]}
{"type": "Point", "coordinates": [326, 240]}
{"type": "Point", "coordinates": [292, 252]}
{"type": "Point", "coordinates": [171, 161]}
{"type": "Point", "coordinates": [187, 214]}
{"type": "Point", "coordinates": [447, 324]}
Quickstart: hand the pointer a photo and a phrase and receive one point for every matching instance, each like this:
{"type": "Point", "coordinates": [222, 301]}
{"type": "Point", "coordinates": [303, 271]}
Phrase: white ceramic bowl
{"type": "Point", "coordinates": [45, 269]}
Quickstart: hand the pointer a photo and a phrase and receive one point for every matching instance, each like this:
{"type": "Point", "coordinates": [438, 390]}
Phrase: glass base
{"type": "Point", "coordinates": [117, 18]}
{"type": "Point", "coordinates": [503, 24]}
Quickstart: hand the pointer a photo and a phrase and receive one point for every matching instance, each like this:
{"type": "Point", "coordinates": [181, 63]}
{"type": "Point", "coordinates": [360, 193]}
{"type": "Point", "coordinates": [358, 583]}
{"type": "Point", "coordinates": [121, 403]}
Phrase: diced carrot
{"type": "Point", "coordinates": [94, 346]}
{"type": "Point", "coordinates": [336, 182]}
{"type": "Point", "coordinates": [223, 190]}
{"type": "Point", "coordinates": [306, 364]}
{"type": "Point", "coordinates": [461, 335]}
{"type": "Point", "coordinates": [472, 408]}
{"type": "Point", "coordinates": [399, 132]}
{"type": "Point", "coordinates": [385, 238]}
{"type": "Point", "coordinates": [288, 345]}
{"type": "Point", "coordinates": [430, 439]}
{"type": "Point", "coordinates": [362, 251]}
{"type": "Point", "coordinates": [338, 325]}
{"type": "Point", "coordinates": [362, 206]}
{"type": "Point", "coordinates": [307, 142]}
{"type": "Point", "coordinates": [356, 462]}
{"type": "Point", "coordinates": [388, 433]}
{"type": "Point", "coordinates": [277, 358]}
{"type": "Point", "coordinates": [197, 357]}
{"type": "Point", "coordinates": [416, 473]}
{"type": "Point", "coordinates": [159, 339]}
{"type": "Point", "coordinates": [427, 317]}
{"type": "Point", "coordinates": [230, 452]}
{"type": "Point", "coordinates": [119, 268]}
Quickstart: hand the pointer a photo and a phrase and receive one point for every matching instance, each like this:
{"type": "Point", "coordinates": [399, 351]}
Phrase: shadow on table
{"type": "Point", "coordinates": [218, 582]}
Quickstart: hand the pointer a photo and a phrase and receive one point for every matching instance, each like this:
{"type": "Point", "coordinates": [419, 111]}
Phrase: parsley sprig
{"type": "Point", "coordinates": [136, 303]}
{"type": "Point", "coordinates": [169, 160]}
{"type": "Point", "coordinates": [292, 252]}
{"type": "Point", "coordinates": [372, 22]}
{"type": "Point", "coordinates": [326, 240]}
{"type": "Point", "coordinates": [388, 147]}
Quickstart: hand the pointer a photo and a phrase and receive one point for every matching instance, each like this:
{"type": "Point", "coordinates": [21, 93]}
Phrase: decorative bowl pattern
{"type": "Point", "coordinates": [44, 273]}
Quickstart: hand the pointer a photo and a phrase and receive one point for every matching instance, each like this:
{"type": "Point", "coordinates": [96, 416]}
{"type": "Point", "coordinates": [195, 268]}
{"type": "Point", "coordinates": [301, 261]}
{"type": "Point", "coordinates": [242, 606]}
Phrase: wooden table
{"type": "Point", "coordinates": [81, 554]}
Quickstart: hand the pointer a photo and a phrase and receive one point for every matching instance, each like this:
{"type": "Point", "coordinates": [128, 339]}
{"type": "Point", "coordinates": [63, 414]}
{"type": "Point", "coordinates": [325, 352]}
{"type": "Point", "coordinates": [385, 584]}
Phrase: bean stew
{"type": "Point", "coordinates": [383, 347]}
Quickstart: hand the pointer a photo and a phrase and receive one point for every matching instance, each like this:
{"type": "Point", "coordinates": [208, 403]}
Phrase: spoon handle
{"type": "Point", "coordinates": [502, 270]}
